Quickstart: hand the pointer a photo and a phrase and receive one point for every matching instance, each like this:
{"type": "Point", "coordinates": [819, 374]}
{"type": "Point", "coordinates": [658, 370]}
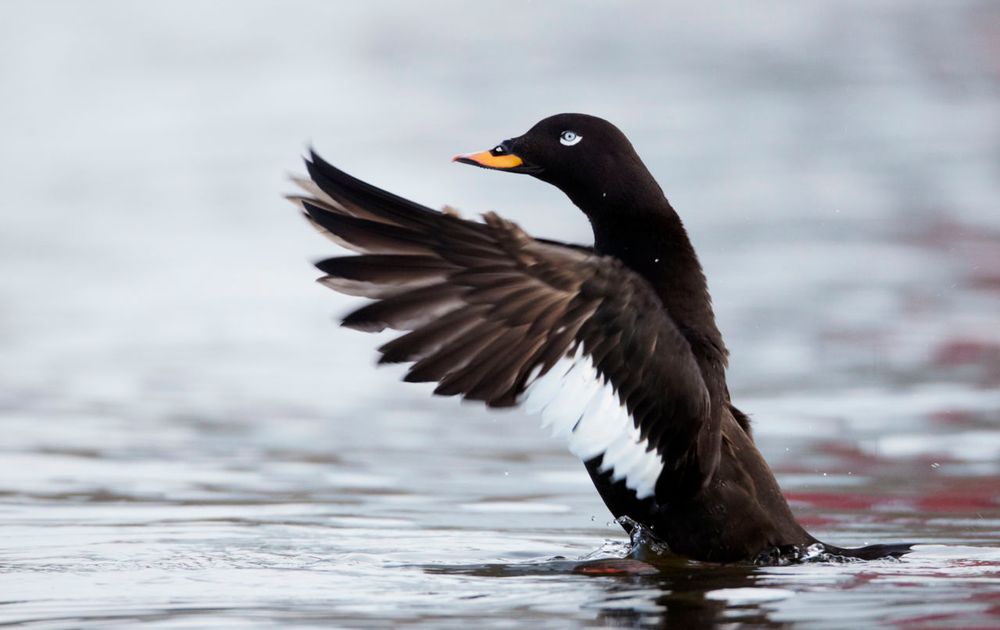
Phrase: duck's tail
{"type": "Point", "coordinates": [871, 552]}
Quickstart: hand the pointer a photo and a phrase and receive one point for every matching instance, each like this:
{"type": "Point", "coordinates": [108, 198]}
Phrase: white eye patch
{"type": "Point", "coordinates": [569, 138]}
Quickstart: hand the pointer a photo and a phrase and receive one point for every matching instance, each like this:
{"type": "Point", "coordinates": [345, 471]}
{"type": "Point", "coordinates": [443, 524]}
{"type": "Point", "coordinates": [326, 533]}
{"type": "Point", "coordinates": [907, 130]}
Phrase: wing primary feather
{"type": "Point", "coordinates": [386, 268]}
{"type": "Point", "coordinates": [387, 206]}
{"type": "Point", "coordinates": [406, 311]}
{"type": "Point", "coordinates": [454, 355]}
{"type": "Point", "coordinates": [427, 339]}
{"type": "Point", "coordinates": [495, 294]}
{"type": "Point", "coordinates": [480, 365]}
{"type": "Point", "coordinates": [497, 392]}
{"type": "Point", "coordinates": [371, 236]}
{"type": "Point", "coordinates": [516, 303]}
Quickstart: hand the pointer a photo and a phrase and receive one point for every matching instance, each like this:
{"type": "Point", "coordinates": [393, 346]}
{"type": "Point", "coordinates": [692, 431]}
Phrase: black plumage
{"type": "Point", "coordinates": [492, 314]}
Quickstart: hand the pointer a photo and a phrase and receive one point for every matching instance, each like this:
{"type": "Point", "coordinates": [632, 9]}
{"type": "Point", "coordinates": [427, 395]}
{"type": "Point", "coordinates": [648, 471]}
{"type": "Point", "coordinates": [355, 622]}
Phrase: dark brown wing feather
{"type": "Point", "coordinates": [486, 306]}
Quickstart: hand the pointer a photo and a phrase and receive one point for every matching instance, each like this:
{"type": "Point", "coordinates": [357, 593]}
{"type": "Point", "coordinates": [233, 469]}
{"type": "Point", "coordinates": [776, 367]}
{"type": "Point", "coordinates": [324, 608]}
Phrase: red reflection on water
{"type": "Point", "coordinates": [960, 351]}
{"type": "Point", "coordinates": [615, 566]}
{"type": "Point", "coordinates": [816, 521]}
{"type": "Point", "coordinates": [992, 598]}
{"type": "Point", "coordinates": [972, 497]}
{"type": "Point", "coordinates": [842, 501]}
{"type": "Point", "coordinates": [953, 417]}
{"type": "Point", "coordinates": [933, 620]}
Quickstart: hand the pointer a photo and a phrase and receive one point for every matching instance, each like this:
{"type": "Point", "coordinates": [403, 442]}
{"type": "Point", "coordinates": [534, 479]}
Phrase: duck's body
{"type": "Point", "coordinates": [616, 345]}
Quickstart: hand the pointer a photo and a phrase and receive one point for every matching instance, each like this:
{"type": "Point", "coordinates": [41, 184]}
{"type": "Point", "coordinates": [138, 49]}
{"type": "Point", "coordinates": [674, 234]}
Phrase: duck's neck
{"type": "Point", "coordinates": [651, 240]}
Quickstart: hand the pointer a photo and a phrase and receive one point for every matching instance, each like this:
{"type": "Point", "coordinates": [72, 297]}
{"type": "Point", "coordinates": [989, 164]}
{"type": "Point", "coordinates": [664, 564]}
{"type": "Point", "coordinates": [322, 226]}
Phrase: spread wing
{"type": "Point", "coordinates": [491, 314]}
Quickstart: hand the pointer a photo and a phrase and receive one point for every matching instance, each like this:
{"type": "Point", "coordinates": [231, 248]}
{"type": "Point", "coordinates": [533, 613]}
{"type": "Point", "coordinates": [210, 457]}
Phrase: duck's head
{"type": "Point", "coordinates": [586, 157]}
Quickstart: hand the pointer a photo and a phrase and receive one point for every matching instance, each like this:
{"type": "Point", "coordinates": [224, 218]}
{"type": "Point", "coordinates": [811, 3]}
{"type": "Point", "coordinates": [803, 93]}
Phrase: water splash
{"type": "Point", "coordinates": [643, 543]}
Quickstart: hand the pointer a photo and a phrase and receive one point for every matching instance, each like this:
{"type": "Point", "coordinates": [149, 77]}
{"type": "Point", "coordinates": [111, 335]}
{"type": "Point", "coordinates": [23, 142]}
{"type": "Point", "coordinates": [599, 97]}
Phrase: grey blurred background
{"type": "Point", "coordinates": [806, 145]}
{"type": "Point", "coordinates": [812, 148]}
{"type": "Point", "coordinates": [162, 344]}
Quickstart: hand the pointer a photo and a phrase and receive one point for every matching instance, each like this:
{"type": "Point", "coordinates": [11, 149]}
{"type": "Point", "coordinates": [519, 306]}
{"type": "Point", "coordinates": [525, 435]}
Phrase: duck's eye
{"type": "Point", "coordinates": [498, 148]}
{"type": "Point", "coordinates": [569, 138]}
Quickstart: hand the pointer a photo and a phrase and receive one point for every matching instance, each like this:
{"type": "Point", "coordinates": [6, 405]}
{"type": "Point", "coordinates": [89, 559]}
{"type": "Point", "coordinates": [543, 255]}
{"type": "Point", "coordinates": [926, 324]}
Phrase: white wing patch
{"type": "Point", "coordinates": [580, 405]}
